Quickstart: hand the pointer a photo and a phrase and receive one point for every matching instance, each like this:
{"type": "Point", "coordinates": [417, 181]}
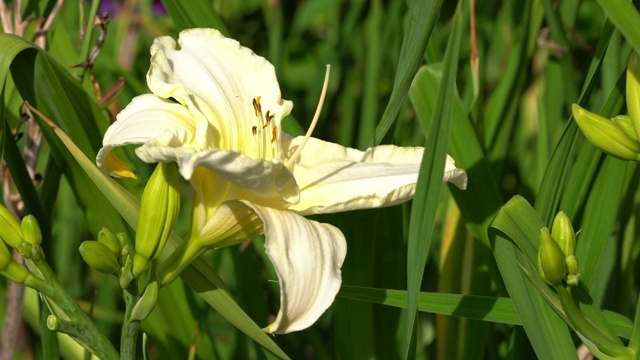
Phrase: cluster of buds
{"type": "Point", "coordinates": [558, 267]}
{"type": "Point", "coordinates": [107, 253]}
{"type": "Point", "coordinates": [111, 254]}
{"type": "Point", "coordinates": [25, 237]}
{"type": "Point", "coordinates": [620, 136]}
{"type": "Point", "coordinates": [557, 262]}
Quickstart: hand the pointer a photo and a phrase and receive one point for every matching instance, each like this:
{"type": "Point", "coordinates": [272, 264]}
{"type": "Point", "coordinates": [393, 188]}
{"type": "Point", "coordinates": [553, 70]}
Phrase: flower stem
{"type": "Point", "coordinates": [182, 256]}
{"type": "Point", "coordinates": [71, 316]}
{"type": "Point", "coordinates": [604, 343]}
{"type": "Point", "coordinates": [129, 339]}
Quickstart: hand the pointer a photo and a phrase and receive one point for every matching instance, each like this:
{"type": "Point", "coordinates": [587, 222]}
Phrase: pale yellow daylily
{"type": "Point", "coordinates": [216, 110]}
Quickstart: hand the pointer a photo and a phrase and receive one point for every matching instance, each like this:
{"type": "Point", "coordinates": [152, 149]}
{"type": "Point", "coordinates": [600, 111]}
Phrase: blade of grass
{"type": "Point", "coordinates": [625, 17]}
{"type": "Point", "coordinates": [194, 14]}
{"type": "Point", "coordinates": [421, 18]}
{"type": "Point", "coordinates": [558, 170]}
{"type": "Point", "coordinates": [485, 308]}
{"type": "Point", "coordinates": [429, 183]}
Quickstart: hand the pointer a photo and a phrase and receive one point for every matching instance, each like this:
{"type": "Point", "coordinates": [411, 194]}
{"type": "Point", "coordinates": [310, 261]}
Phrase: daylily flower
{"type": "Point", "coordinates": [216, 110]}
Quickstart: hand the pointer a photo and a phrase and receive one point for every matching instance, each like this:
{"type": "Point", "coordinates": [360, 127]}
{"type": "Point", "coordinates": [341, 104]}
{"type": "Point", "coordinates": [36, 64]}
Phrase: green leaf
{"type": "Point", "coordinates": [194, 14]}
{"type": "Point", "coordinates": [486, 308]}
{"type": "Point", "coordinates": [421, 17]}
{"type": "Point", "coordinates": [547, 332]}
{"type": "Point", "coordinates": [625, 16]}
{"type": "Point", "coordinates": [429, 183]}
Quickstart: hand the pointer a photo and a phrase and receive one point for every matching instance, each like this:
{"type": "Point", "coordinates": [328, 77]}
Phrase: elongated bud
{"type": "Point", "coordinates": [10, 268]}
{"type": "Point", "coordinates": [563, 234]}
{"type": "Point", "coordinates": [99, 257]}
{"type": "Point", "coordinates": [146, 303]}
{"type": "Point", "coordinates": [158, 212]}
{"type": "Point", "coordinates": [633, 92]}
{"type": "Point", "coordinates": [606, 135]}
{"type": "Point", "coordinates": [10, 231]}
{"type": "Point", "coordinates": [108, 239]}
{"type": "Point", "coordinates": [551, 261]}
{"type": "Point", "coordinates": [31, 230]}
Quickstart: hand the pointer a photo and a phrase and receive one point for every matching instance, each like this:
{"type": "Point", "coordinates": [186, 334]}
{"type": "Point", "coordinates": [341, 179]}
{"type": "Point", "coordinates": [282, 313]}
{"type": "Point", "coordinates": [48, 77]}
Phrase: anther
{"type": "Point", "coordinates": [254, 130]}
{"type": "Point", "coordinates": [255, 106]}
{"type": "Point", "coordinates": [268, 117]}
{"type": "Point", "coordinates": [259, 107]}
{"type": "Point", "coordinates": [273, 134]}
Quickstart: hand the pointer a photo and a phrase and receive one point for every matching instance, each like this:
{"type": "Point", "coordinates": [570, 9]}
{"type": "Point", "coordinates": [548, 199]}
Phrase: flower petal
{"type": "Point", "coordinates": [307, 256]}
{"type": "Point", "coordinates": [334, 178]}
{"type": "Point", "coordinates": [219, 78]}
{"type": "Point", "coordinates": [147, 118]}
{"type": "Point", "coordinates": [266, 182]}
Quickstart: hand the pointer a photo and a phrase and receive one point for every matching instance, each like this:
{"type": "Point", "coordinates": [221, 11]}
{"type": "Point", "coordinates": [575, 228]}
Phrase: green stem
{"type": "Point", "coordinates": [182, 256]}
{"type": "Point", "coordinates": [634, 342]}
{"type": "Point", "coordinates": [84, 329]}
{"type": "Point", "coordinates": [604, 343]}
{"type": "Point", "coordinates": [129, 339]}
{"type": "Point", "coordinates": [88, 34]}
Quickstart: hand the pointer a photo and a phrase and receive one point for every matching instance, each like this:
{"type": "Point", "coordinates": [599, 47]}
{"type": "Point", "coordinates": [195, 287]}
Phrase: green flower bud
{"type": "Point", "coordinates": [606, 135]}
{"type": "Point", "coordinates": [158, 213]}
{"type": "Point", "coordinates": [146, 303]}
{"type": "Point", "coordinates": [10, 268]}
{"type": "Point", "coordinates": [125, 278]}
{"type": "Point", "coordinates": [99, 257]}
{"type": "Point", "coordinates": [30, 251]}
{"type": "Point", "coordinates": [633, 92]}
{"type": "Point", "coordinates": [563, 234]}
{"type": "Point", "coordinates": [624, 121]}
{"type": "Point", "coordinates": [551, 261]}
{"type": "Point", "coordinates": [9, 228]}
{"type": "Point", "coordinates": [31, 230]}
{"type": "Point", "coordinates": [108, 239]}
{"type": "Point", "coordinates": [572, 264]}
{"type": "Point", "coordinates": [123, 238]}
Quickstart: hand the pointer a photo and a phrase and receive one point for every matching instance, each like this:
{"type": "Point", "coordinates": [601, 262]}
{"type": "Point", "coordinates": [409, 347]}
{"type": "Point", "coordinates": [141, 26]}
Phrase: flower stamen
{"type": "Point", "coordinates": [316, 116]}
{"type": "Point", "coordinates": [274, 134]}
{"type": "Point", "coordinates": [268, 117]}
{"type": "Point", "coordinates": [257, 107]}
{"type": "Point", "coordinates": [254, 130]}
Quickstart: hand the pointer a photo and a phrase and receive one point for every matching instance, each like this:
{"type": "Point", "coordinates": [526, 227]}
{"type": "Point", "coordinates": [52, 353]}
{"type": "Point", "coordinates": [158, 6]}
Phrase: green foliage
{"type": "Point", "coordinates": [454, 274]}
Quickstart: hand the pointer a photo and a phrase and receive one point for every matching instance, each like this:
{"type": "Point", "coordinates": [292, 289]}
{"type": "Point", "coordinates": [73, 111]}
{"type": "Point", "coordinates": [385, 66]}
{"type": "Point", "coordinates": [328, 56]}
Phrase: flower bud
{"type": "Point", "coordinates": [108, 239]}
{"type": "Point", "coordinates": [99, 257]}
{"type": "Point", "coordinates": [123, 238]}
{"type": "Point", "coordinates": [31, 230]}
{"type": "Point", "coordinates": [563, 234]}
{"type": "Point", "coordinates": [158, 212]}
{"type": "Point", "coordinates": [146, 303]}
{"type": "Point", "coordinates": [624, 121]}
{"type": "Point", "coordinates": [572, 264]}
{"type": "Point", "coordinates": [633, 92]}
{"type": "Point", "coordinates": [30, 251]}
{"type": "Point", "coordinates": [10, 268]}
{"type": "Point", "coordinates": [606, 135]}
{"type": "Point", "coordinates": [9, 228]}
{"type": "Point", "coordinates": [551, 261]}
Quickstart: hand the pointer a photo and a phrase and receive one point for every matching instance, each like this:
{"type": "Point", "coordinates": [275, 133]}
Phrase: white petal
{"type": "Point", "coordinates": [266, 182]}
{"type": "Point", "coordinates": [148, 118]}
{"type": "Point", "coordinates": [334, 178]}
{"type": "Point", "coordinates": [220, 78]}
{"type": "Point", "coordinates": [307, 256]}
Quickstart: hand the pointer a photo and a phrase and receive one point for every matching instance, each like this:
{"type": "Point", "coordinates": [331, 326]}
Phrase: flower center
{"type": "Point", "coordinates": [265, 133]}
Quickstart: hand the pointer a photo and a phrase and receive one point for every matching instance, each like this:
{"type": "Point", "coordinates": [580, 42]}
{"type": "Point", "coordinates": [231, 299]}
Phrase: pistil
{"type": "Point", "coordinates": [316, 116]}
